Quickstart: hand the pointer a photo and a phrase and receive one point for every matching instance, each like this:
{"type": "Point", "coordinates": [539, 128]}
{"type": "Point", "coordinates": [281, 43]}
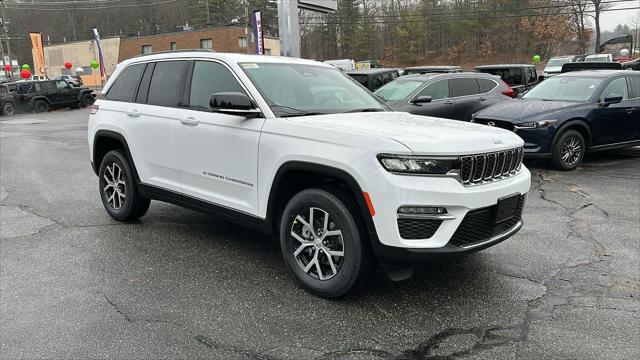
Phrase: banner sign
{"type": "Point", "coordinates": [96, 36]}
{"type": "Point", "coordinates": [38, 53]}
{"type": "Point", "coordinates": [258, 34]}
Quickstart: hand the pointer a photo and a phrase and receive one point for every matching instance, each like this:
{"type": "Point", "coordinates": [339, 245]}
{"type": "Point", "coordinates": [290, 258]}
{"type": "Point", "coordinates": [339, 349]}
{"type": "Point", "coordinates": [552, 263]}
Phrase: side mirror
{"type": "Point", "coordinates": [611, 99]}
{"type": "Point", "coordinates": [233, 103]}
{"type": "Point", "coordinates": [421, 100]}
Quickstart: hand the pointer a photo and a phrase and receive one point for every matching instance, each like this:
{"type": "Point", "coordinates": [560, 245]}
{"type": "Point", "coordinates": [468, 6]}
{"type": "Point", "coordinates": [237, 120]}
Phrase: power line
{"type": "Point", "coordinates": [92, 8]}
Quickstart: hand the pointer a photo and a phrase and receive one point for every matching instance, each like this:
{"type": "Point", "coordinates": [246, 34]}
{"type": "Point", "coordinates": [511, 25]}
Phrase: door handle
{"type": "Point", "coordinates": [133, 113]}
{"type": "Point", "coordinates": [630, 111]}
{"type": "Point", "coordinates": [449, 102]}
{"type": "Point", "coordinates": [191, 121]}
{"type": "Point", "coordinates": [483, 98]}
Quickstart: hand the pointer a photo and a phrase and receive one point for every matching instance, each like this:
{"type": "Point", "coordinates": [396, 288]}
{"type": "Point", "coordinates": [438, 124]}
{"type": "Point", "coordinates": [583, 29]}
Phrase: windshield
{"type": "Point", "coordinates": [558, 62]}
{"type": "Point", "coordinates": [398, 89]}
{"type": "Point", "coordinates": [597, 59]}
{"type": "Point", "coordinates": [564, 89]}
{"type": "Point", "coordinates": [300, 89]}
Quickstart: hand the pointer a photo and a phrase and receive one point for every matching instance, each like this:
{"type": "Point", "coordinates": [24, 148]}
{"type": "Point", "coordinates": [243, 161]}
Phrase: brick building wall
{"type": "Point", "coordinates": [224, 39]}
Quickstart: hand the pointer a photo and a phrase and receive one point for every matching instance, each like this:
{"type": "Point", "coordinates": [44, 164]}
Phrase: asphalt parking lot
{"type": "Point", "coordinates": [178, 284]}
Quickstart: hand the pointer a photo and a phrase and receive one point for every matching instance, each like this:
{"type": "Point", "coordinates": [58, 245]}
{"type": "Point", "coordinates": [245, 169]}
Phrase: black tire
{"type": "Point", "coordinates": [569, 150]}
{"type": "Point", "coordinates": [351, 269]}
{"type": "Point", "coordinates": [86, 100]}
{"type": "Point", "coordinates": [131, 205]}
{"type": "Point", "coordinates": [8, 109]}
{"type": "Point", "coordinates": [40, 106]}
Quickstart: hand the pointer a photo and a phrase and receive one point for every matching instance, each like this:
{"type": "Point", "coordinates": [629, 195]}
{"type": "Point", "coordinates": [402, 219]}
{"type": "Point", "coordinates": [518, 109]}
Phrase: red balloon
{"type": "Point", "coordinates": [25, 74]}
{"type": "Point", "coordinates": [7, 68]}
{"type": "Point", "coordinates": [68, 65]}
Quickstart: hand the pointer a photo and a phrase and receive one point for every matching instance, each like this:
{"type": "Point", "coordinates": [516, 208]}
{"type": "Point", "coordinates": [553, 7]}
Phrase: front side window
{"type": "Point", "coordinates": [465, 87]}
{"type": "Point", "coordinates": [125, 86]}
{"type": "Point", "coordinates": [206, 44]}
{"type": "Point", "coordinates": [146, 49]}
{"type": "Point", "coordinates": [564, 88]}
{"type": "Point", "coordinates": [210, 78]}
{"type": "Point", "coordinates": [299, 89]}
{"type": "Point", "coordinates": [617, 87]}
{"type": "Point", "coordinates": [398, 89]}
{"type": "Point", "coordinates": [437, 90]}
{"type": "Point", "coordinates": [166, 82]}
{"type": "Point", "coordinates": [61, 84]}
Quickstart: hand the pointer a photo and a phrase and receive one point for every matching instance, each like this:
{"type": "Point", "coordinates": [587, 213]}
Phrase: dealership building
{"type": "Point", "coordinates": [117, 49]}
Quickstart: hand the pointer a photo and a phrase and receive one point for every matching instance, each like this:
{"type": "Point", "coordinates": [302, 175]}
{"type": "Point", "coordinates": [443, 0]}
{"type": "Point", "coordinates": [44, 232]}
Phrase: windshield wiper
{"type": "Point", "coordinates": [365, 110]}
{"type": "Point", "coordinates": [287, 111]}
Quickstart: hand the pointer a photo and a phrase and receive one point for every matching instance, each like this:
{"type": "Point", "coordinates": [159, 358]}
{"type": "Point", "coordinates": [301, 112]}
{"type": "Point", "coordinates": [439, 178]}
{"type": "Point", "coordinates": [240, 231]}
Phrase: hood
{"type": "Point", "coordinates": [524, 110]}
{"type": "Point", "coordinates": [421, 134]}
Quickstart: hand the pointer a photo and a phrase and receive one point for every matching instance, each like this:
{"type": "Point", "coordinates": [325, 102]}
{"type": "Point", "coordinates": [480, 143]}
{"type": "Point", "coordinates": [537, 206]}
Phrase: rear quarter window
{"type": "Point", "coordinates": [486, 85]}
{"type": "Point", "coordinates": [125, 86]}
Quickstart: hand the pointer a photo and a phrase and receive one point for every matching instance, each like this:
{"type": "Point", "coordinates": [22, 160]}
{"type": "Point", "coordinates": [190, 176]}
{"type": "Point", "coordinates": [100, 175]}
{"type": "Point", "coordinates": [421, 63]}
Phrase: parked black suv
{"type": "Point", "coordinates": [373, 79]}
{"type": "Point", "coordinates": [521, 77]}
{"type": "Point", "coordinates": [451, 96]}
{"type": "Point", "coordinates": [41, 96]}
{"type": "Point", "coordinates": [7, 102]}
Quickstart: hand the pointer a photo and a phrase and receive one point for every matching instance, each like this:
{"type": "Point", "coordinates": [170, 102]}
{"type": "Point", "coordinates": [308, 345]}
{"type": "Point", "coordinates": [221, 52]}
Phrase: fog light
{"type": "Point", "coordinates": [422, 210]}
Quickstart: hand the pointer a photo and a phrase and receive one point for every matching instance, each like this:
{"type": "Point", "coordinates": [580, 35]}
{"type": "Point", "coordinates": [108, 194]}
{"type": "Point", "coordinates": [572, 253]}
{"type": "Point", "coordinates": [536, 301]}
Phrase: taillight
{"type": "Point", "coordinates": [508, 91]}
{"type": "Point", "coordinates": [94, 109]}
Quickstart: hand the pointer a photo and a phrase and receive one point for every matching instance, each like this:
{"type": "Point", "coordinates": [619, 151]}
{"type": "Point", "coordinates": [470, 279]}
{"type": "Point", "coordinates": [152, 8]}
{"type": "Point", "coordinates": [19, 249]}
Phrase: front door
{"type": "Point", "coordinates": [440, 105]}
{"type": "Point", "coordinates": [217, 153]}
{"type": "Point", "coordinates": [614, 123]}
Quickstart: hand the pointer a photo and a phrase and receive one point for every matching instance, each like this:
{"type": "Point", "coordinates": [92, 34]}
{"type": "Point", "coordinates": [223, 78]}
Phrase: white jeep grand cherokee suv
{"type": "Point", "coordinates": [299, 150]}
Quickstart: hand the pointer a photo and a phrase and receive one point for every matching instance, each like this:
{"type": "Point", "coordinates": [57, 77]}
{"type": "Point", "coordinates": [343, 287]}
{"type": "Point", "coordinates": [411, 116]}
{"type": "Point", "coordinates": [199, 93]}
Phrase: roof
{"type": "Point", "coordinates": [442, 67]}
{"type": "Point", "coordinates": [226, 57]}
{"type": "Point", "coordinates": [429, 76]}
{"type": "Point", "coordinates": [370, 71]}
{"type": "Point", "coordinates": [598, 73]}
{"type": "Point", "coordinates": [499, 66]}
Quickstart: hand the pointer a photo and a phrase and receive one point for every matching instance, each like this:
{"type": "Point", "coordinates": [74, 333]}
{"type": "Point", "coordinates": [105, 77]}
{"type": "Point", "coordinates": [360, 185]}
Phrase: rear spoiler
{"type": "Point", "coordinates": [578, 66]}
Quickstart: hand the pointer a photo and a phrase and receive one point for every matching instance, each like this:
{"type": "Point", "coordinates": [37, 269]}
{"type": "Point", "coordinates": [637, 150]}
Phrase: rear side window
{"type": "Point", "coordinates": [210, 78]}
{"type": "Point", "coordinates": [166, 83]}
{"type": "Point", "coordinates": [486, 85]}
{"type": "Point", "coordinates": [634, 81]}
{"type": "Point", "coordinates": [437, 90]}
{"type": "Point", "coordinates": [125, 86]}
{"type": "Point", "coordinates": [464, 87]}
{"type": "Point", "coordinates": [143, 90]}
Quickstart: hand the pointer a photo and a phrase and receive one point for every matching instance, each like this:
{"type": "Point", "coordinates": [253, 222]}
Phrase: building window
{"type": "Point", "coordinates": [242, 42]}
{"type": "Point", "coordinates": [87, 70]}
{"type": "Point", "coordinates": [267, 51]}
{"type": "Point", "coordinates": [173, 45]}
{"type": "Point", "coordinates": [146, 49]}
{"type": "Point", "coordinates": [65, 71]}
{"type": "Point", "coordinates": [206, 44]}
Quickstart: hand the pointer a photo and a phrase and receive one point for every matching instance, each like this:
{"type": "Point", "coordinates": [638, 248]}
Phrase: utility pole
{"type": "Point", "coordinates": [5, 29]}
{"type": "Point", "coordinates": [246, 24]}
{"type": "Point", "coordinates": [206, 7]}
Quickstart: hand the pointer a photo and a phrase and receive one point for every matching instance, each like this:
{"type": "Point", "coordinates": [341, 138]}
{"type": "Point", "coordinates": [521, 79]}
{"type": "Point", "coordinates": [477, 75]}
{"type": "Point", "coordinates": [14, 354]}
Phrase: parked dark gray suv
{"type": "Point", "coordinates": [451, 96]}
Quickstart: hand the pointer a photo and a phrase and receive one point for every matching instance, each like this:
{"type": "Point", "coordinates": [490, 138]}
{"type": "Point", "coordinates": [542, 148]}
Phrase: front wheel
{"type": "Point", "coordinates": [569, 150]}
{"type": "Point", "coordinates": [119, 193]}
{"type": "Point", "coordinates": [322, 243]}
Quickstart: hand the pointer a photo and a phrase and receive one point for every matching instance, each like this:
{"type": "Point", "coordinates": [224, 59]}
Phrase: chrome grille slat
{"type": "Point", "coordinates": [488, 167]}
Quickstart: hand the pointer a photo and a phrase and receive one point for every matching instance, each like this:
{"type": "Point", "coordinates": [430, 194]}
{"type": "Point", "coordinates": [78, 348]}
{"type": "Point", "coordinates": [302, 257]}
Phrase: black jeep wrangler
{"type": "Point", "coordinates": [7, 102]}
{"type": "Point", "coordinates": [521, 77]}
{"type": "Point", "coordinates": [41, 96]}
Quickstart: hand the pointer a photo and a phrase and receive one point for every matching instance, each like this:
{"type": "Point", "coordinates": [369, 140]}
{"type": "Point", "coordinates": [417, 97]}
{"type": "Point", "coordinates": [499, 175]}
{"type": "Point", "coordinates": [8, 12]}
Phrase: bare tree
{"type": "Point", "coordinates": [598, 6]}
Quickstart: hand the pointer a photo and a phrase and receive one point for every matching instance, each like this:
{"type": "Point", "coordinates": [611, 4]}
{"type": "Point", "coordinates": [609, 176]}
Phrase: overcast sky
{"type": "Point", "coordinates": [611, 19]}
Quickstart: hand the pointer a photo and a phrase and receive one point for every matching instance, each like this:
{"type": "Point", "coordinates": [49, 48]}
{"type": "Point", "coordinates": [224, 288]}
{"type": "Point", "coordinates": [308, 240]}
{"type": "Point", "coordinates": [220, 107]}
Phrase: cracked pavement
{"type": "Point", "coordinates": [178, 284]}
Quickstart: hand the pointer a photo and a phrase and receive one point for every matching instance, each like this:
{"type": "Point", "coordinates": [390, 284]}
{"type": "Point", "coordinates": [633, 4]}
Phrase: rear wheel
{"type": "Point", "coordinates": [86, 100]}
{"type": "Point", "coordinates": [322, 243]}
{"type": "Point", "coordinates": [119, 193]}
{"type": "Point", "coordinates": [40, 106]}
{"type": "Point", "coordinates": [569, 150]}
{"type": "Point", "coordinates": [8, 109]}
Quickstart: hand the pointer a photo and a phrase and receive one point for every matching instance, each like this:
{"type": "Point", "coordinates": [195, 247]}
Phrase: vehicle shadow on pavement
{"type": "Point", "coordinates": [593, 160]}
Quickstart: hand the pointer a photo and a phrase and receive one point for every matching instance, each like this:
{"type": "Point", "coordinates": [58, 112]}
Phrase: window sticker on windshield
{"type": "Point", "coordinates": [250, 65]}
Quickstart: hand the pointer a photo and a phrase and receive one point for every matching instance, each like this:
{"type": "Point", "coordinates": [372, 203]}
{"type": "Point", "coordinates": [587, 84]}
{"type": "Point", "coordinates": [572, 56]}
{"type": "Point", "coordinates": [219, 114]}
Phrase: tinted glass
{"type": "Point", "coordinates": [143, 90]}
{"type": "Point", "coordinates": [24, 89]}
{"type": "Point", "coordinates": [398, 89]}
{"type": "Point", "coordinates": [635, 86]}
{"type": "Point", "coordinates": [486, 85]}
{"type": "Point", "coordinates": [48, 86]}
{"type": "Point", "coordinates": [616, 87]}
{"type": "Point", "coordinates": [564, 88]}
{"type": "Point", "coordinates": [210, 78]}
{"type": "Point", "coordinates": [512, 76]}
{"type": "Point", "coordinates": [437, 90]}
{"type": "Point", "coordinates": [464, 87]}
{"type": "Point", "coordinates": [125, 86]}
{"type": "Point", "coordinates": [61, 84]}
{"type": "Point", "coordinates": [309, 88]}
{"type": "Point", "coordinates": [531, 75]}
{"type": "Point", "coordinates": [166, 83]}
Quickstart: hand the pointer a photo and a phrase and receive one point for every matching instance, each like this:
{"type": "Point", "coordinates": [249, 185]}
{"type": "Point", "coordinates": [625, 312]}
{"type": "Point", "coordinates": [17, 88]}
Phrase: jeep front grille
{"type": "Point", "coordinates": [483, 168]}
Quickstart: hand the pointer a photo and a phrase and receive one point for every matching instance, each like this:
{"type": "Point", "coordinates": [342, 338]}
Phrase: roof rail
{"type": "Point", "coordinates": [177, 51]}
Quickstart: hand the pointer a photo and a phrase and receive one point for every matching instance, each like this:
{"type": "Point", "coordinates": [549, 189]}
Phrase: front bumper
{"type": "Point", "coordinates": [389, 192]}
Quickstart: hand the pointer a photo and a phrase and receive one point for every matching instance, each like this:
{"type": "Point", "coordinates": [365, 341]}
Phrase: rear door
{"type": "Point", "coordinates": [440, 105]}
{"type": "Point", "coordinates": [465, 93]}
{"type": "Point", "coordinates": [634, 108]}
{"type": "Point", "coordinates": [64, 94]}
{"type": "Point", "coordinates": [217, 153]}
{"type": "Point", "coordinates": [614, 123]}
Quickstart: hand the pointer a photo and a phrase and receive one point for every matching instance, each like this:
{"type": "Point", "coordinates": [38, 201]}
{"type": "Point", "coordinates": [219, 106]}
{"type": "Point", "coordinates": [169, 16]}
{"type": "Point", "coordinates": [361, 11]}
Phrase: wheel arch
{"type": "Point", "coordinates": [36, 98]}
{"type": "Point", "coordinates": [294, 176]}
{"type": "Point", "coordinates": [105, 141]}
{"type": "Point", "coordinates": [578, 124]}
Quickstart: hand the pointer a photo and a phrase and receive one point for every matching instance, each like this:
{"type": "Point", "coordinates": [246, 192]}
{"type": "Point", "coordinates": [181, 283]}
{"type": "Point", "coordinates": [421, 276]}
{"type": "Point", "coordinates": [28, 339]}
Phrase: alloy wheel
{"type": "Point", "coordinates": [571, 150]}
{"type": "Point", "coordinates": [115, 189]}
{"type": "Point", "coordinates": [318, 245]}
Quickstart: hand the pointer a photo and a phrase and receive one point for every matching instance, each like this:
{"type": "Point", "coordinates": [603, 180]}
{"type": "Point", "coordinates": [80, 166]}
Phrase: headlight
{"type": "Point", "coordinates": [536, 124]}
{"type": "Point", "coordinates": [420, 165]}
